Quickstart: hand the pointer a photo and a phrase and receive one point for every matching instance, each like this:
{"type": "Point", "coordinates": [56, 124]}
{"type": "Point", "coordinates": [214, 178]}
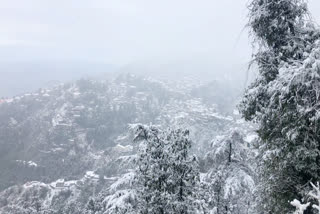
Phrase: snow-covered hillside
{"type": "Point", "coordinates": [65, 145]}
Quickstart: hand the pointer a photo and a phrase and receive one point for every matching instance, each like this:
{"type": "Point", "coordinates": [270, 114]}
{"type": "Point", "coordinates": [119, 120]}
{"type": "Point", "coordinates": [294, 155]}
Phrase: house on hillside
{"type": "Point", "coordinates": [60, 184]}
{"type": "Point", "coordinates": [122, 149]}
{"type": "Point", "coordinates": [91, 176]}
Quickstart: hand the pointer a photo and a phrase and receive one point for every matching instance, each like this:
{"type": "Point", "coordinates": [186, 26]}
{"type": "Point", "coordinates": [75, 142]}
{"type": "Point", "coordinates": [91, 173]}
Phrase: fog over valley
{"type": "Point", "coordinates": [159, 107]}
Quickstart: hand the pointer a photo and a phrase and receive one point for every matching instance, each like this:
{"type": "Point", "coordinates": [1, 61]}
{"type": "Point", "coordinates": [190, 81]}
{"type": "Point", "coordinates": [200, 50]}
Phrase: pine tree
{"type": "Point", "coordinates": [229, 181]}
{"type": "Point", "coordinates": [284, 99]}
{"type": "Point", "coordinates": [168, 176]}
{"type": "Point", "coordinates": [184, 173]}
{"type": "Point", "coordinates": [152, 170]}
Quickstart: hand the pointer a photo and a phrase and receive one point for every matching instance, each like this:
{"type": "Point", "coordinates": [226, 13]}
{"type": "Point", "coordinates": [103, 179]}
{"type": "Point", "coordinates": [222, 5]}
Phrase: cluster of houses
{"type": "Point", "coordinates": [2, 101]}
{"type": "Point", "coordinates": [62, 184]}
{"type": "Point", "coordinates": [64, 119]}
{"type": "Point", "coordinates": [90, 176]}
{"type": "Point", "coordinates": [27, 163]}
{"type": "Point", "coordinates": [43, 93]}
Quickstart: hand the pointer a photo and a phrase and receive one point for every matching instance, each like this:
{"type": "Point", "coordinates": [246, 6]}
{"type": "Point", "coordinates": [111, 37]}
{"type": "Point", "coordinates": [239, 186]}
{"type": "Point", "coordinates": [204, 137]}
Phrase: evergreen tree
{"type": "Point", "coordinates": [230, 180]}
{"type": "Point", "coordinates": [168, 176]}
{"type": "Point", "coordinates": [184, 173]}
{"type": "Point", "coordinates": [119, 198]}
{"type": "Point", "coordinates": [284, 99]}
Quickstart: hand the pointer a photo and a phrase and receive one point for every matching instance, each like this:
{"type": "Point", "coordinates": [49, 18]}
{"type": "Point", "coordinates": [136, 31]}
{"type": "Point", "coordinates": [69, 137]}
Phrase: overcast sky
{"type": "Point", "coordinates": [126, 31]}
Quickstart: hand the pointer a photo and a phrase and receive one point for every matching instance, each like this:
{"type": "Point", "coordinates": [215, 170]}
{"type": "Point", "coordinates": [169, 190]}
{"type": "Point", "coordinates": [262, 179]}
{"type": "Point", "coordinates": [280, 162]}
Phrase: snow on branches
{"type": "Point", "coordinates": [315, 194]}
{"type": "Point", "coordinates": [168, 176]}
{"type": "Point", "coordinates": [285, 97]}
{"type": "Point", "coordinates": [300, 208]}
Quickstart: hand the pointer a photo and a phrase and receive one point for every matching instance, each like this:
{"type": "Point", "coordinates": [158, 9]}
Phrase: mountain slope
{"type": "Point", "coordinates": [80, 130]}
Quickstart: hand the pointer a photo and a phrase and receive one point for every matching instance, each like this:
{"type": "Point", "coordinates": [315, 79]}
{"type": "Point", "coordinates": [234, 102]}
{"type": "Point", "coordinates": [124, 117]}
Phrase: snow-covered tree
{"type": "Point", "coordinates": [279, 26]}
{"type": "Point", "coordinates": [118, 198]}
{"type": "Point", "coordinates": [229, 182]}
{"type": "Point", "coordinates": [167, 175]}
{"type": "Point", "coordinates": [184, 174]}
{"type": "Point", "coordinates": [284, 99]}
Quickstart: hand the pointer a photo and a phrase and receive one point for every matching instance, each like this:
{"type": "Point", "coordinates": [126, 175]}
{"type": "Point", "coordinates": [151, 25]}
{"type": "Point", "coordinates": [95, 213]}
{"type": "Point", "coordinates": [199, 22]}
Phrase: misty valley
{"type": "Point", "coordinates": [140, 107]}
{"type": "Point", "coordinates": [71, 146]}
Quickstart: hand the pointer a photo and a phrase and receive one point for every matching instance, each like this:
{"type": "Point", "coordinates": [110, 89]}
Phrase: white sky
{"type": "Point", "coordinates": [126, 31]}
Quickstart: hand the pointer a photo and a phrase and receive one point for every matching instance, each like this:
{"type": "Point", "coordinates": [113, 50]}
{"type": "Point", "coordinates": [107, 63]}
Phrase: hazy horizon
{"type": "Point", "coordinates": [127, 32]}
{"type": "Point", "coordinates": [55, 41]}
